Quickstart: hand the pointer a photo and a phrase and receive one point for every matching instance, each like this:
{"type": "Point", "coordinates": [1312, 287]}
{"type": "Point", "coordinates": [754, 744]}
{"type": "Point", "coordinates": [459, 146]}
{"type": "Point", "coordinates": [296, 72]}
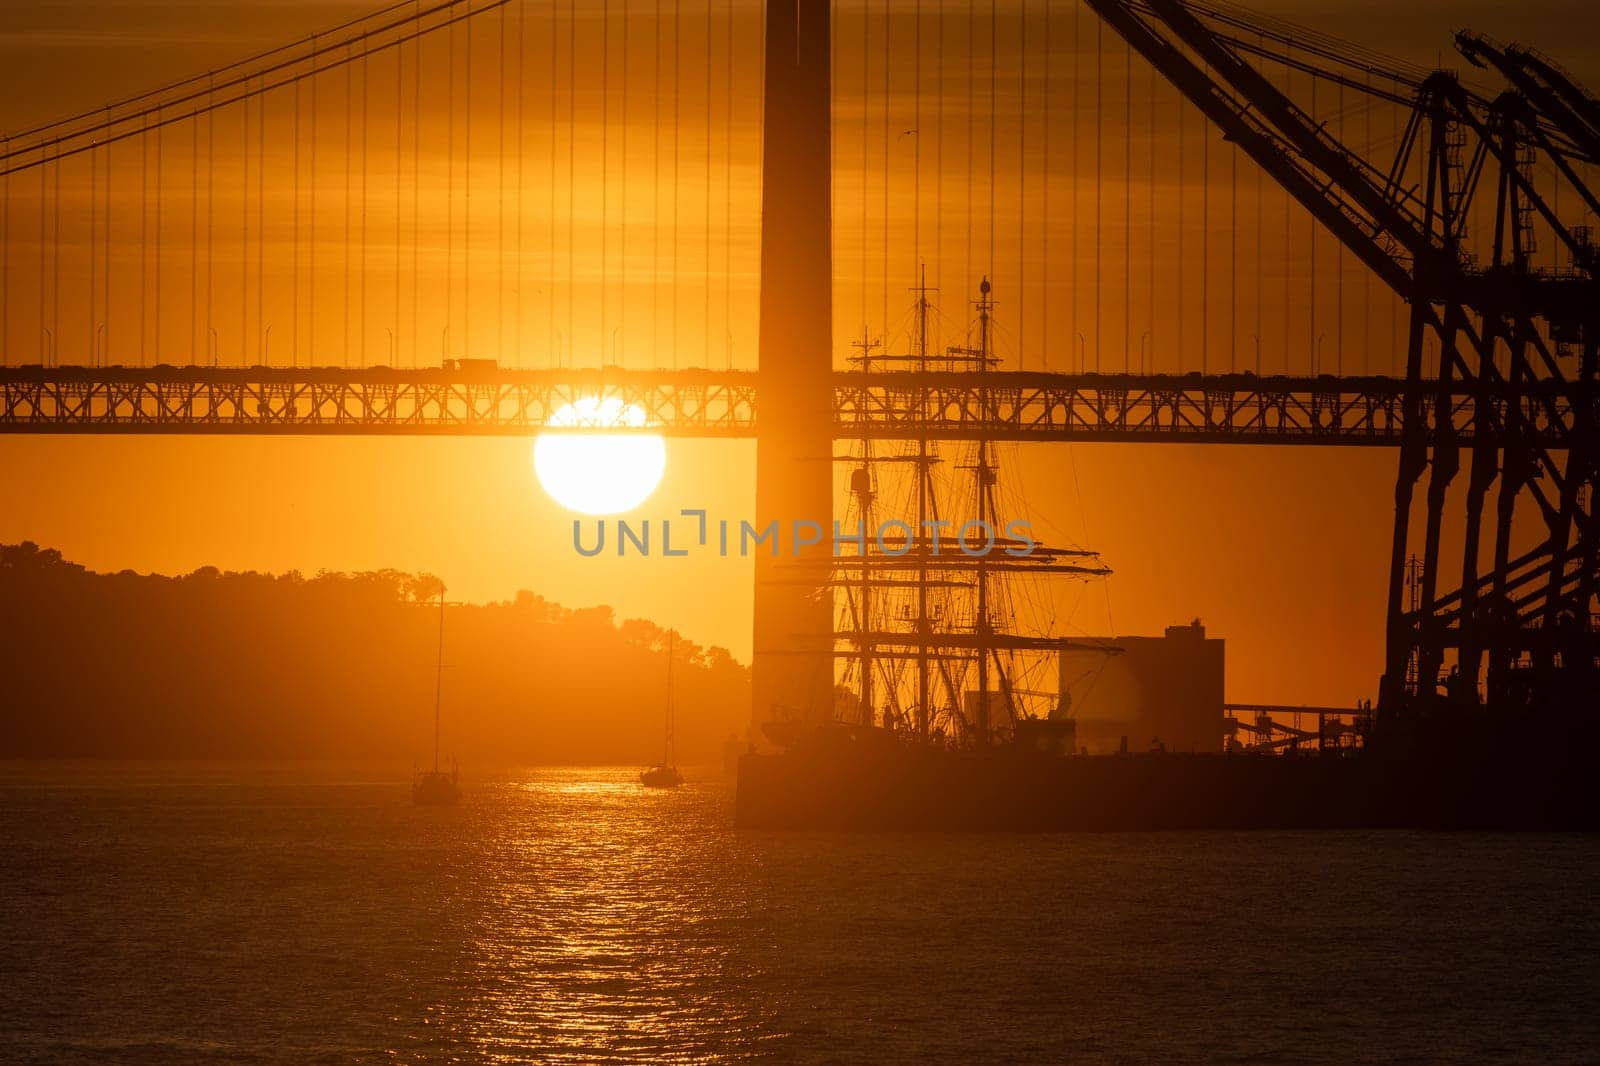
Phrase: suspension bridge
{"type": "Point", "coordinates": [1204, 225]}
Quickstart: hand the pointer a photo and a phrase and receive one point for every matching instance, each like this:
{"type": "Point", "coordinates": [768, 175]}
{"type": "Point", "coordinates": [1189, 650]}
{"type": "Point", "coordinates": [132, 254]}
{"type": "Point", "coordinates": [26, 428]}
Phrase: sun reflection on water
{"type": "Point", "coordinates": [605, 927]}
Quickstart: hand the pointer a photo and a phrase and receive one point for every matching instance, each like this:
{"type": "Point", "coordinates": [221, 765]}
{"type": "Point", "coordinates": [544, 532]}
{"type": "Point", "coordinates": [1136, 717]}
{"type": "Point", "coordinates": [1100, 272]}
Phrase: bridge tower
{"type": "Point", "coordinates": [792, 668]}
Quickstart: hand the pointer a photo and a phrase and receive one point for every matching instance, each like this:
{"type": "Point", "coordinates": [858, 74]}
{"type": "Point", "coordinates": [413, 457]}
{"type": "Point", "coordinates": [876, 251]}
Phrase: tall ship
{"type": "Point", "coordinates": [938, 633]}
{"type": "Point", "coordinates": [956, 699]}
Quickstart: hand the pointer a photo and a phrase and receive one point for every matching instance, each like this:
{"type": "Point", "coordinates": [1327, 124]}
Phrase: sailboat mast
{"type": "Point", "coordinates": [670, 757]}
{"type": "Point", "coordinates": [438, 681]}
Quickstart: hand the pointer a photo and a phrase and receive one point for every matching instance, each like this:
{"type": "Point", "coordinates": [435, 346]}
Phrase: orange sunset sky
{"type": "Point", "coordinates": [606, 214]}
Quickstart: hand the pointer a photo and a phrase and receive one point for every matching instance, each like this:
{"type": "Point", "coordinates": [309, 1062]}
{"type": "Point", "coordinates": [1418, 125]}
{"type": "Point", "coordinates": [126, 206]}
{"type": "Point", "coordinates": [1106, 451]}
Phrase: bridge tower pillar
{"type": "Point", "coordinates": [792, 668]}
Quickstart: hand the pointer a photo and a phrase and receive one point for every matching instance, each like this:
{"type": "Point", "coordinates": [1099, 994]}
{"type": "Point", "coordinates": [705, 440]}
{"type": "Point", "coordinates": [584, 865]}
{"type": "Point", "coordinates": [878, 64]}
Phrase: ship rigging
{"type": "Point", "coordinates": [929, 637]}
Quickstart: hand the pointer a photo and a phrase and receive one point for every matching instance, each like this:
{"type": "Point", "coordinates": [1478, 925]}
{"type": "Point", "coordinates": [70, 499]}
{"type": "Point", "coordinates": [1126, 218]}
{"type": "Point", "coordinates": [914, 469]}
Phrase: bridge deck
{"type": "Point", "coordinates": [1006, 405]}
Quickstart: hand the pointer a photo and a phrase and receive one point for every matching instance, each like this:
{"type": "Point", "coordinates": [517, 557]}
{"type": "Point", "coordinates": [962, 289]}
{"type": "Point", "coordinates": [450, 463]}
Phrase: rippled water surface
{"type": "Point", "coordinates": [168, 915]}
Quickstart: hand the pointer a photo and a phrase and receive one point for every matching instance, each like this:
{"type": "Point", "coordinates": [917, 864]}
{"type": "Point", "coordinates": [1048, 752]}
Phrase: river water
{"type": "Point", "coordinates": [172, 914]}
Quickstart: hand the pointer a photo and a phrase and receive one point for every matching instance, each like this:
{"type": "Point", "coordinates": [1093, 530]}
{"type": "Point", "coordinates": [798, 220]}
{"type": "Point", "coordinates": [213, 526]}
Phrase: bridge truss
{"type": "Point", "coordinates": [1175, 409]}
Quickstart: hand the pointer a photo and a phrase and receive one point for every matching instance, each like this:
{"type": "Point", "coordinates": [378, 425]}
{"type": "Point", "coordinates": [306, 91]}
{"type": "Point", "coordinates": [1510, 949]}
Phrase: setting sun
{"type": "Point", "coordinates": [599, 473]}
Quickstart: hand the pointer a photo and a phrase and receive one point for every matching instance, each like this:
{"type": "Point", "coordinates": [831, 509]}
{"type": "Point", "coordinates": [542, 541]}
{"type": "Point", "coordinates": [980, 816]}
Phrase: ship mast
{"type": "Point", "coordinates": [861, 487]}
{"type": "Point", "coordinates": [923, 474]}
{"type": "Point", "coordinates": [984, 476]}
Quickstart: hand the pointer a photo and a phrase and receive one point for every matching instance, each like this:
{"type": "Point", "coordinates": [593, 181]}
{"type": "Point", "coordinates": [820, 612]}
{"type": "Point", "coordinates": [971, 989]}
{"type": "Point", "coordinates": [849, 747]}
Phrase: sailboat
{"type": "Point", "coordinates": [436, 788]}
{"type": "Point", "coordinates": [665, 774]}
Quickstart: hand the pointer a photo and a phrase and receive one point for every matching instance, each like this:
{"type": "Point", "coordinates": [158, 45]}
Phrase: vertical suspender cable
{"type": "Point", "coordinates": [1205, 237]}
{"type": "Point", "coordinates": [500, 207]}
{"type": "Point", "coordinates": [399, 90]}
{"type": "Point", "coordinates": [349, 91]}
{"type": "Point", "coordinates": [677, 138]}
{"type": "Point", "coordinates": [761, 80]}
{"type": "Point", "coordinates": [106, 253]}
{"type": "Point", "coordinates": [42, 334]}
{"type": "Point", "coordinates": [655, 197]}
{"type": "Point", "coordinates": [55, 266]}
{"type": "Point", "coordinates": [1338, 248]}
{"type": "Point", "coordinates": [211, 235]}
{"type": "Point", "coordinates": [144, 232]}
{"type": "Point", "coordinates": [832, 98]}
{"type": "Point", "coordinates": [1394, 318]}
{"type": "Point", "coordinates": [994, 120]}
{"type": "Point", "coordinates": [261, 227]}
{"type": "Point", "coordinates": [1311, 243]}
{"type": "Point", "coordinates": [1046, 179]}
{"type": "Point", "coordinates": [1284, 309]}
{"type": "Point", "coordinates": [105, 284]}
{"type": "Point", "coordinates": [1150, 209]}
{"type": "Point", "coordinates": [622, 229]}
{"type": "Point", "coordinates": [572, 168]}
{"type": "Point", "coordinates": [194, 237]}
{"type": "Point", "coordinates": [916, 148]}
{"type": "Point", "coordinates": [706, 282]}
{"type": "Point", "coordinates": [1260, 266]}
{"type": "Point", "coordinates": [605, 172]}
{"type": "Point", "coordinates": [294, 243]}
{"type": "Point", "coordinates": [1022, 185]}
{"type": "Point", "coordinates": [311, 232]}
{"type": "Point", "coordinates": [971, 108]}
{"type": "Point", "coordinates": [727, 193]}
{"type": "Point", "coordinates": [94, 248]}
{"type": "Point", "coordinates": [550, 219]}
{"type": "Point", "coordinates": [244, 232]}
{"type": "Point", "coordinates": [1366, 275]}
{"type": "Point", "coordinates": [522, 114]}
{"type": "Point", "coordinates": [938, 169]}
{"type": "Point", "coordinates": [47, 335]}
{"type": "Point", "coordinates": [1099, 175]}
{"type": "Point", "coordinates": [888, 52]}
{"type": "Point", "coordinates": [1182, 197]}
{"type": "Point", "coordinates": [449, 184]}
{"type": "Point", "coordinates": [416, 201]}
{"type": "Point", "coordinates": [866, 97]}
{"type": "Point", "coordinates": [5, 258]}
{"type": "Point", "coordinates": [160, 154]}
{"type": "Point", "coordinates": [366, 143]}
{"type": "Point", "coordinates": [834, 132]}
{"type": "Point", "coordinates": [466, 197]}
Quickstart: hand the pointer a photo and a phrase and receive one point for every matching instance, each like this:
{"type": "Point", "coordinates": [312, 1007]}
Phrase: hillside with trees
{"type": "Point", "coordinates": [217, 664]}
